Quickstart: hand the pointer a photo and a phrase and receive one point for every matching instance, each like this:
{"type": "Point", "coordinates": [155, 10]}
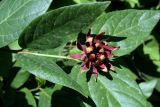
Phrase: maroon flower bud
{"type": "Point", "coordinates": [96, 54]}
{"type": "Point", "coordinates": [101, 57]}
{"type": "Point", "coordinates": [97, 44]}
{"type": "Point", "coordinates": [89, 49]}
{"type": "Point", "coordinates": [101, 50]}
{"type": "Point", "coordinates": [92, 57]}
{"type": "Point", "coordinates": [89, 39]}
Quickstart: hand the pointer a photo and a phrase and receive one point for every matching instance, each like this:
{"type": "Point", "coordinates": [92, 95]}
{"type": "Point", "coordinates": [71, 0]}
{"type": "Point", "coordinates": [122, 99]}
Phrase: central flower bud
{"type": "Point", "coordinates": [96, 63]}
{"type": "Point", "coordinates": [101, 57]}
{"type": "Point", "coordinates": [97, 44]}
{"type": "Point", "coordinates": [90, 39]}
{"type": "Point", "coordinates": [101, 50]}
{"type": "Point", "coordinates": [92, 57]}
{"type": "Point", "coordinates": [89, 49]}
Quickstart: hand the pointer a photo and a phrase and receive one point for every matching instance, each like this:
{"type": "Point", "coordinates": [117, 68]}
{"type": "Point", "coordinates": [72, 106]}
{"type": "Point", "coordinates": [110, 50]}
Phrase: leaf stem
{"type": "Point", "coordinates": [47, 55]}
{"type": "Point", "coordinates": [35, 89]}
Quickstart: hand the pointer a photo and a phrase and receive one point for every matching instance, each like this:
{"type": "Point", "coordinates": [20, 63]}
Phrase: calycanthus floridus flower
{"type": "Point", "coordinates": [96, 54]}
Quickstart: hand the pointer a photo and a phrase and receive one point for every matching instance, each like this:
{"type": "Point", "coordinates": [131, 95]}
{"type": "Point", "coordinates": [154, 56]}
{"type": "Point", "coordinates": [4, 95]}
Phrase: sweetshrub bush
{"type": "Point", "coordinates": [49, 59]}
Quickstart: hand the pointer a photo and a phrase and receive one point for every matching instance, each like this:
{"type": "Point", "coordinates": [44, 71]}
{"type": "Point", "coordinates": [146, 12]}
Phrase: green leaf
{"type": "Point", "coordinates": [20, 78]}
{"type": "Point", "coordinates": [47, 69]}
{"type": "Point", "coordinates": [45, 97]}
{"type": "Point", "coordinates": [60, 25]}
{"type": "Point", "coordinates": [80, 78]}
{"type": "Point", "coordinates": [127, 72]}
{"type": "Point", "coordinates": [148, 87]}
{"type": "Point", "coordinates": [30, 99]}
{"type": "Point", "coordinates": [157, 63]}
{"type": "Point", "coordinates": [85, 105]}
{"type": "Point", "coordinates": [135, 25]}
{"type": "Point", "coordinates": [16, 15]}
{"type": "Point", "coordinates": [151, 48]}
{"type": "Point", "coordinates": [14, 45]}
{"type": "Point", "coordinates": [132, 2]}
{"type": "Point", "coordinates": [152, 77]}
{"type": "Point", "coordinates": [121, 91]}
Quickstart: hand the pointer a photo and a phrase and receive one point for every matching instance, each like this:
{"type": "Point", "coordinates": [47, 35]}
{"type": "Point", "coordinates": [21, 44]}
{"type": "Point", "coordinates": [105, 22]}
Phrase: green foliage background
{"type": "Point", "coordinates": [37, 36]}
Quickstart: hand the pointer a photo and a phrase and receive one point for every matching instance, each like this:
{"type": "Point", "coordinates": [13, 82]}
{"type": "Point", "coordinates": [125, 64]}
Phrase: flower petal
{"type": "Point", "coordinates": [89, 40]}
{"type": "Point", "coordinates": [84, 69]}
{"type": "Point", "coordinates": [97, 44]}
{"type": "Point", "coordinates": [85, 60]}
{"type": "Point", "coordinates": [92, 57]}
{"type": "Point", "coordinates": [86, 66]}
{"type": "Point", "coordinates": [95, 69]}
{"type": "Point", "coordinates": [111, 66]}
{"type": "Point", "coordinates": [108, 54]}
{"type": "Point", "coordinates": [95, 73]}
{"type": "Point", "coordinates": [103, 68]}
{"type": "Point", "coordinates": [88, 34]}
{"type": "Point", "coordinates": [79, 46]}
{"type": "Point", "coordinates": [99, 35]}
{"type": "Point", "coordinates": [89, 49]}
{"type": "Point", "coordinates": [108, 47]}
{"type": "Point", "coordinates": [77, 56]}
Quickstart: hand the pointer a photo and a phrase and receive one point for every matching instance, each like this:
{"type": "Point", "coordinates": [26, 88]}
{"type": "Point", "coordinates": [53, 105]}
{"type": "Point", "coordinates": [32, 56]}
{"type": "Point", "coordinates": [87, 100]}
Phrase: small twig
{"type": "Point", "coordinates": [35, 89]}
{"type": "Point", "coordinates": [47, 55]}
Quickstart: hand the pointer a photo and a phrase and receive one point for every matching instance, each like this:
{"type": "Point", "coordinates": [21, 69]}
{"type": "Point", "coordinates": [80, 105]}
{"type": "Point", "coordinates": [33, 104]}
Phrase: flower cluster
{"type": "Point", "coordinates": [95, 54]}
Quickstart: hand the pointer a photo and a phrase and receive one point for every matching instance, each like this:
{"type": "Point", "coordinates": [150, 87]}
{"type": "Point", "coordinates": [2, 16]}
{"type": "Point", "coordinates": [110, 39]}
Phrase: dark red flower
{"type": "Point", "coordinates": [95, 54]}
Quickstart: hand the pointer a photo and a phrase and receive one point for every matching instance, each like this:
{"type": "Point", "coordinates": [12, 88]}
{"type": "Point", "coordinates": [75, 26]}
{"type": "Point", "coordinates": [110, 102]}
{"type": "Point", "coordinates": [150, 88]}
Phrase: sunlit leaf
{"type": "Point", "coordinates": [30, 98]}
{"type": "Point", "coordinates": [20, 78]}
{"type": "Point", "coordinates": [47, 69]}
{"type": "Point", "coordinates": [16, 15]}
{"type": "Point", "coordinates": [120, 91]}
{"type": "Point", "coordinates": [135, 25]}
{"type": "Point", "coordinates": [148, 87]}
{"type": "Point", "coordinates": [58, 26]}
